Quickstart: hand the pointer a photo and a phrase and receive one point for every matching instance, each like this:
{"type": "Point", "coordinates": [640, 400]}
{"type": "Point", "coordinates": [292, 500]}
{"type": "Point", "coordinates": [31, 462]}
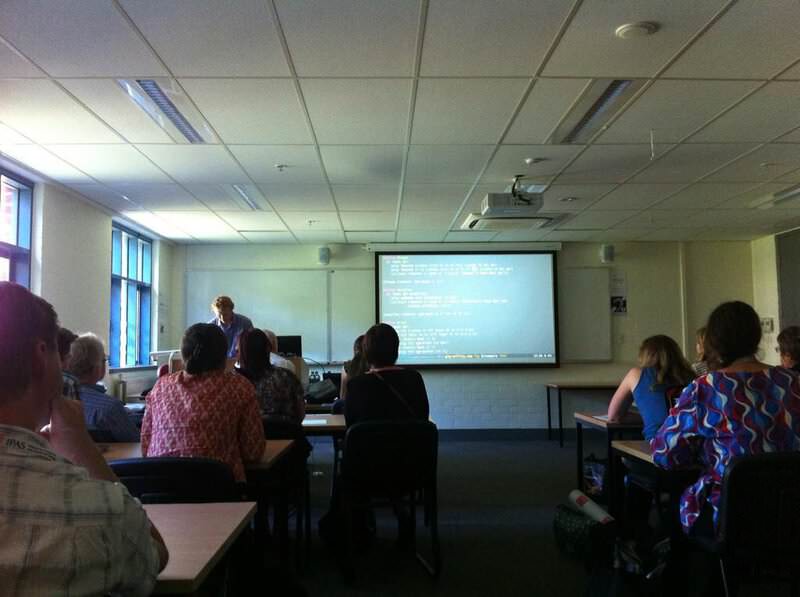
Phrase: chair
{"type": "Point", "coordinates": [394, 461]}
{"type": "Point", "coordinates": [759, 519]}
{"type": "Point", "coordinates": [101, 436]}
{"type": "Point", "coordinates": [168, 480]}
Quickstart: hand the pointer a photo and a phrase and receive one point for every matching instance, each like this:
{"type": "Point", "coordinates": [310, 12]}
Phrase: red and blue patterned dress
{"type": "Point", "coordinates": [721, 415]}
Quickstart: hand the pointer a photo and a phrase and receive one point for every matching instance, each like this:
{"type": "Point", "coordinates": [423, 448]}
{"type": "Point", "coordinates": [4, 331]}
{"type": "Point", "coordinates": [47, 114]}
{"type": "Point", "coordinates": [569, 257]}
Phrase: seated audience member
{"type": "Point", "coordinates": [661, 366]}
{"type": "Point", "coordinates": [275, 359]}
{"type": "Point", "coordinates": [68, 527]}
{"type": "Point", "coordinates": [232, 324]}
{"type": "Point", "coordinates": [700, 366]}
{"type": "Point", "coordinates": [385, 391]}
{"type": "Point", "coordinates": [354, 367]}
{"type": "Point", "coordinates": [105, 416]}
{"type": "Point", "coordinates": [278, 391]}
{"type": "Point", "coordinates": [789, 347]}
{"type": "Point", "coordinates": [742, 407]}
{"type": "Point", "coordinates": [65, 340]}
{"type": "Point", "coordinates": [203, 410]}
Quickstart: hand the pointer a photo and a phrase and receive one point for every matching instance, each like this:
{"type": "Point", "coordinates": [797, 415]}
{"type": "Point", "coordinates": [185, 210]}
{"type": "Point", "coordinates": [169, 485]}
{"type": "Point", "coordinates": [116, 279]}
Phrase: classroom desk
{"type": "Point", "coordinates": [560, 387]}
{"type": "Point", "coordinates": [319, 409]}
{"type": "Point", "coordinates": [636, 448]}
{"type": "Point", "coordinates": [197, 537]}
{"type": "Point", "coordinates": [332, 425]}
{"type": "Point", "coordinates": [274, 450]}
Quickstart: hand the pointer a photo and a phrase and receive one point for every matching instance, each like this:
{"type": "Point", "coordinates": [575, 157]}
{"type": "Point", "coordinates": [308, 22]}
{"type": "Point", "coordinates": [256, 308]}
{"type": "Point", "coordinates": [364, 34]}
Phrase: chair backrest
{"type": "Point", "coordinates": [167, 480]}
{"type": "Point", "coordinates": [100, 436]}
{"type": "Point", "coordinates": [281, 428]}
{"type": "Point", "coordinates": [759, 517]}
{"type": "Point", "coordinates": [390, 457]}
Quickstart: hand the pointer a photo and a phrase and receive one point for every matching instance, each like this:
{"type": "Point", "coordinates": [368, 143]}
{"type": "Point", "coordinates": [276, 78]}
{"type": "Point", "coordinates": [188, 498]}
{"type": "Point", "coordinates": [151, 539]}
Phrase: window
{"type": "Point", "coordinates": [15, 230]}
{"type": "Point", "coordinates": [131, 297]}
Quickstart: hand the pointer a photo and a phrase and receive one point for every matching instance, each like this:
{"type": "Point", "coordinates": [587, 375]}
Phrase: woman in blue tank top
{"type": "Point", "coordinates": [661, 366]}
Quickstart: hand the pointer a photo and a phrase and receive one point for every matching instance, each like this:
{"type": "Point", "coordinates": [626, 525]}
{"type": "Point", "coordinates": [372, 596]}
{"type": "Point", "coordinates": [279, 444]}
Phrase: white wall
{"type": "Point", "coordinates": [765, 293]}
{"type": "Point", "coordinates": [515, 398]}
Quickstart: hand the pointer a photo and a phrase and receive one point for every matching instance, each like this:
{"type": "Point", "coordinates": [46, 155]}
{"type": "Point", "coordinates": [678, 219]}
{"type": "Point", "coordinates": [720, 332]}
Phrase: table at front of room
{"type": "Point", "coordinates": [560, 387]}
{"type": "Point", "coordinates": [197, 536]}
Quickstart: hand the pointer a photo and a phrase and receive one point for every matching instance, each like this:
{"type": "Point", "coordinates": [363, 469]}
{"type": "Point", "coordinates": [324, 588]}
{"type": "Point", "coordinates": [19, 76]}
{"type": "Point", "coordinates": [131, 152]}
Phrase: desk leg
{"type": "Point", "coordinates": [579, 451]}
{"type": "Point", "coordinates": [549, 422]}
{"type": "Point", "coordinates": [616, 483]}
{"type": "Point", "coordinates": [560, 422]}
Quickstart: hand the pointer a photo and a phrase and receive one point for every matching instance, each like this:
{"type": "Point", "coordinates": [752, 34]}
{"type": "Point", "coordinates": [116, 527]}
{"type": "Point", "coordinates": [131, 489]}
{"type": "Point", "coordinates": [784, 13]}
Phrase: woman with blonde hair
{"type": "Point", "coordinates": [661, 366]}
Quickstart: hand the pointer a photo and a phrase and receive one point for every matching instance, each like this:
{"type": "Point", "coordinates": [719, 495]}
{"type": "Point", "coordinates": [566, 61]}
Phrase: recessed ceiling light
{"type": "Point", "coordinates": [568, 199]}
{"type": "Point", "coordinates": [639, 29]}
{"type": "Point", "coordinates": [530, 161]}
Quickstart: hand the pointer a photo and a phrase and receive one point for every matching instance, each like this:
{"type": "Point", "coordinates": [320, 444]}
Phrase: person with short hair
{"type": "Point", "coordinates": [385, 391]}
{"type": "Point", "coordinates": [232, 324]}
{"type": "Point", "coordinates": [65, 339]}
{"type": "Point", "coordinates": [741, 407]}
{"type": "Point", "coordinates": [661, 366]}
{"type": "Point", "coordinates": [105, 416]}
{"type": "Point", "coordinates": [68, 527]}
{"type": "Point", "coordinates": [274, 358]}
{"type": "Point", "coordinates": [278, 390]}
{"type": "Point", "coordinates": [204, 411]}
{"type": "Point", "coordinates": [789, 347]}
{"type": "Point", "coordinates": [700, 366]}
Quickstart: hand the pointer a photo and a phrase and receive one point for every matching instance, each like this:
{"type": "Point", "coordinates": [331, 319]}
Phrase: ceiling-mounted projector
{"type": "Point", "coordinates": [513, 210]}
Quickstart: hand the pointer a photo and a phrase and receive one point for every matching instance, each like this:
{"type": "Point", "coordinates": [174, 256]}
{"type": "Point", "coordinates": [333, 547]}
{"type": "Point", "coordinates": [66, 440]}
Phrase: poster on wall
{"type": "Point", "coordinates": [619, 293]}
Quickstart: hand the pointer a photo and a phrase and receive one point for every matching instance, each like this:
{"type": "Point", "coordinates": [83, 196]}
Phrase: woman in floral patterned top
{"type": "Point", "coordinates": [742, 407]}
{"type": "Point", "coordinates": [278, 390]}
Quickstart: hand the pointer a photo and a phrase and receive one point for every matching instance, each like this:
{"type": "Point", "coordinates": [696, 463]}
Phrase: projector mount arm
{"type": "Point", "coordinates": [517, 194]}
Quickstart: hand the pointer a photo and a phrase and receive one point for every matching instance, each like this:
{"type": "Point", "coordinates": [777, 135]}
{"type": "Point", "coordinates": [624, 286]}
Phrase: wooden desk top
{"type": "Point", "coordinates": [274, 449]}
{"type": "Point", "coordinates": [324, 425]}
{"type": "Point", "coordinates": [197, 536]}
{"type": "Point", "coordinates": [567, 385]}
{"type": "Point", "coordinates": [632, 421]}
{"type": "Point", "coordinates": [639, 449]}
{"type": "Point", "coordinates": [319, 409]}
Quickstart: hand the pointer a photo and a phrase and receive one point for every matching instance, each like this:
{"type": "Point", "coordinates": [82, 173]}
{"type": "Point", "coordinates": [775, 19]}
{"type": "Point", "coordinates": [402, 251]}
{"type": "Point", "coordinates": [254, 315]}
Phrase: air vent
{"type": "Point", "coordinates": [479, 222]}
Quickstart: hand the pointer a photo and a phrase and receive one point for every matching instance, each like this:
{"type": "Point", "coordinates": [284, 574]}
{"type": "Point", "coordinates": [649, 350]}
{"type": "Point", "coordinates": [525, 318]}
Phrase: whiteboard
{"type": "Point", "coordinates": [352, 309]}
{"type": "Point", "coordinates": [584, 314]}
{"type": "Point", "coordinates": [289, 302]}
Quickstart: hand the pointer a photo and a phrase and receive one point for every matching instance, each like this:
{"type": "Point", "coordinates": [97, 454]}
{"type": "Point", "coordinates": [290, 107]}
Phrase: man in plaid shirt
{"type": "Point", "coordinates": [67, 526]}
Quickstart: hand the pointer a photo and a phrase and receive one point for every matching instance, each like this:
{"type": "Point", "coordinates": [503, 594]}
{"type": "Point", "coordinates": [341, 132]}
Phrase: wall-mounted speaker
{"type": "Point", "coordinates": [606, 253]}
{"type": "Point", "coordinates": [324, 255]}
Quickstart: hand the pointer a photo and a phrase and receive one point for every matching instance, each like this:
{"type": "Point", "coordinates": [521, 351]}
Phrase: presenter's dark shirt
{"type": "Point", "coordinates": [370, 399]}
{"type": "Point", "coordinates": [233, 330]}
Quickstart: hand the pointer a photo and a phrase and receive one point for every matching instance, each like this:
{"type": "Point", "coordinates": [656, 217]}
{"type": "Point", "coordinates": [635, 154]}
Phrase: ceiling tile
{"type": "Point", "coordinates": [298, 197]}
{"type": "Point", "coordinates": [566, 198]}
{"type": "Point", "coordinates": [589, 47]}
{"type": "Point", "coordinates": [195, 163]}
{"type": "Point", "coordinates": [13, 64]}
{"type": "Point", "coordinates": [252, 220]}
{"type": "Point", "coordinates": [208, 38]}
{"type": "Point", "coordinates": [311, 221]}
{"type": "Point", "coordinates": [756, 195]}
{"type": "Point", "coordinates": [662, 109]}
{"type": "Point", "coordinates": [44, 162]}
{"type": "Point", "coordinates": [793, 176]}
{"type": "Point", "coordinates": [469, 236]}
{"type": "Point", "coordinates": [54, 36]}
{"type": "Point", "coordinates": [38, 109]}
{"type": "Point", "coordinates": [569, 235]}
{"type": "Point", "coordinates": [444, 106]}
{"type": "Point", "coordinates": [636, 196]}
{"type": "Point", "coordinates": [596, 219]}
{"type": "Point", "coordinates": [755, 119]}
{"type": "Point", "coordinates": [202, 225]}
{"type": "Point", "coordinates": [522, 235]}
{"type": "Point", "coordinates": [687, 162]}
{"type": "Point", "coordinates": [320, 236]}
{"type": "Point", "coordinates": [269, 237]}
{"type": "Point", "coordinates": [792, 137]}
{"type": "Point", "coordinates": [615, 235]}
{"type": "Point", "coordinates": [486, 37]}
{"type": "Point", "coordinates": [608, 163]}
{"type": "Point", "coordinates": [107, 99]}
{"type": "Point", "coordinates": [761, 165]}
{"type": "Point", "coordinates": [434, 197]}
{"type": "Point", "coordinates": [225, 197]}
{"type": "Point", "coordinates": [656, 219]}
{"type": "Point", "coordinates": [365, 197]}
{"type": "Point", "coordinates": [792, 73]}
{"type": "Point", "coordinates": [747, 42]}
{"type": "Point", "coordinates": [260, 161]}
{"type": "Point", "coordinates": [425, 220]}
{"type": "Point", "coordinates": [166, 197]}
{"type": "Point", "coordinates": [673, 234]}
{"type": "Point", "coordinates": [157, 225]}
{"type": "Point", "coordinates": [105, 197]}
{"type": "Point", "coordinates": [264, 111]}
{"type": "Point", "coordinates": [510, 161]}
{"type": "Point", "coordinates": [548, 102]}
{"type": "Point", "coordinates": [704, 195]}
{"type": "Point", "coordinates": [9, 136]}
{"type": "Point", "coordinates": [367, 220]}
{"type": "Point", "coordinates": [110, 163]}
{"type": "Point", "coordinates": [446, 163]}
{"type": "Point", "coordinates": [369, 237]}
{"type": "Point", "coordinates": [420, 236]}
{"type": "Point", "coordinates": [363, 164]}
{"type": "Point", "coordinates": [359, 111]}
{"type": "Point", "coordinates": [350, 37]}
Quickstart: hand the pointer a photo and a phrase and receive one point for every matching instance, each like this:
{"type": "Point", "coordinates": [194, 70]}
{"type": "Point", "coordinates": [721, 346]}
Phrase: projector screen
{"type": "Point", "coordinates": [483, 309]}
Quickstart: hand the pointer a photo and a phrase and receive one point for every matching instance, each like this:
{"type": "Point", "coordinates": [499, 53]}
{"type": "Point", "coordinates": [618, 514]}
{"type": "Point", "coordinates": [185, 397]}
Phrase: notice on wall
{"type": "Point", "coordinates": [619, 293]}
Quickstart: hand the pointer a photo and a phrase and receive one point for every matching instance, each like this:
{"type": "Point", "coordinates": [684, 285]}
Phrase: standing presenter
{"type": "Point", "coordinates": [232, 324]}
